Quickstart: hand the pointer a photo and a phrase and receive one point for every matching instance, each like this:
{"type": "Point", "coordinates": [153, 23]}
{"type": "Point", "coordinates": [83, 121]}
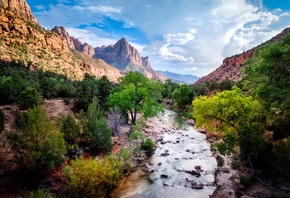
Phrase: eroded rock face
{"type": "Point", "coordinates": [19, 7]}
{"type": "Point", "coordinates": [231, 66]}
{"type": "Point", "coordinates": [64, 35]}
{"type": "Point", "coordinates": [28, 43]}
{"type": "Point", "coordinates": [126, 58]}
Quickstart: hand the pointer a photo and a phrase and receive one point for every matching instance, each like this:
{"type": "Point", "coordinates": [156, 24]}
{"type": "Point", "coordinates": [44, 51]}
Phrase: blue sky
{"type": "Point", "coordinates": [182, 36]}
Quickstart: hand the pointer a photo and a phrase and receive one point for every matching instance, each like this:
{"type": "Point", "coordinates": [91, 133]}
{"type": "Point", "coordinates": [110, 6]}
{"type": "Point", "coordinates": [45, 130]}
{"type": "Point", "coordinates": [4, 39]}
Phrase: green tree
{"type": "Point", "coordinates": [86, 92]}
{"type": "Point", "coordinates": [38, 145]}
{"type": "Point", "coordinates": [70, 129]}
{"type": "Point", "coordinates": [267, 77]}
{"type": "Point", "coordinates": [169, 87]}
{"type": "Point", "coordinates": [104, 90]}
{"type": "Point", "coordinates": [200, 89]}
{"type": "Point", "coordinates": [29, 98]}
{"type": "Point", "coordinates": [238, 117]}
{"type": "Point", "coordinates": [138, 94]}
{"type": "Point", "coordinates": [95, 128]}
{"type": "Point", "coordinates": [183, 96]}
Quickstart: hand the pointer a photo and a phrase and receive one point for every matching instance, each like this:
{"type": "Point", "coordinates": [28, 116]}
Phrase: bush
{"type": "Point", "coordinates": [92, 177]}
{"type": "Point", "coordinates": [70, 129]}
{"type": "Point", "coordinates": [95, 128]}
{"type": "Point", "coordinates": [29, 98]}
{"type": "Point", "coordinates": [246, 181]}
{"type": "Point", "coordinates": [148, 145]}
{"type": "Point", "coordinates": [40, 193]}
{"type": "Point", "coordinates": [38, 145]}
{"type": "Point", "coordinates": [235, 165]}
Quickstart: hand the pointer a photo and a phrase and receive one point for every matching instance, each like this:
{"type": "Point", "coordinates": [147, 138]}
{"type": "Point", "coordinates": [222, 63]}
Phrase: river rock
{"type": "Point", "coordinates": [201, 131]}
{"type": "Point", "coordinates": [164, 176]}
{"type": "Point", "coordinates": [196, 186]}
{"type": "Point", "coordinates": [163, 142]}
{"type": "Point", "coordinates": [198, 168]}
{"type": "Point", "coordinates": [193, 172]}
{"type": "Point", "coordinates": [164, 154]}
{"type": "Point", "coordinates": [190, 122]}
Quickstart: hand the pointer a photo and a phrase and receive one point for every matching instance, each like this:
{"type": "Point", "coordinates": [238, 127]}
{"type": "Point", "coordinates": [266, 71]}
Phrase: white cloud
{"type": "Point", "coordinates": [181, 34]}
{"type": "Point", "coordinates": [100, 9]}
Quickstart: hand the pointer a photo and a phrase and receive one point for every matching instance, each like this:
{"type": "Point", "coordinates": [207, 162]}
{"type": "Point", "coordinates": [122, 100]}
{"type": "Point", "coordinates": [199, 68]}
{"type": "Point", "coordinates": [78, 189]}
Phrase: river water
{"type": "Point", "coordinates": [181, 166]}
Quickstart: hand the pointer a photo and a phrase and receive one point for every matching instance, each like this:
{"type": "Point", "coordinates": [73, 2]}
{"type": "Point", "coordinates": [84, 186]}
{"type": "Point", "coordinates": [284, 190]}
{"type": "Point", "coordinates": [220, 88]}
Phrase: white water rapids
{"type": "Point", "coordinates": [187, 152]}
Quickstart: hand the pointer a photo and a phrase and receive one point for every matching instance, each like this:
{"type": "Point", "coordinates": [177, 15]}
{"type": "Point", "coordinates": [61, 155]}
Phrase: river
{"type": "Point", "coordinates": [181, 166]}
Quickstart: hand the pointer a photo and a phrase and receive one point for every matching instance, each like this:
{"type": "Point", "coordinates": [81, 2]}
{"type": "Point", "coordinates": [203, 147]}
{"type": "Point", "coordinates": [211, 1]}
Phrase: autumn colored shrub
{"type": "Point", "coordinates": [92, 177]}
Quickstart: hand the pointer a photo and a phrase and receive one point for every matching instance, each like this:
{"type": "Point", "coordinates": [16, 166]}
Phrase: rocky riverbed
{"type": "Point", "coordinates": [182, 165]}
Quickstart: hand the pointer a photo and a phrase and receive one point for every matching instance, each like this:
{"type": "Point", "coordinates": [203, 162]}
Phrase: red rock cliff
{"type": "Point", "coordinates": [231, 66]}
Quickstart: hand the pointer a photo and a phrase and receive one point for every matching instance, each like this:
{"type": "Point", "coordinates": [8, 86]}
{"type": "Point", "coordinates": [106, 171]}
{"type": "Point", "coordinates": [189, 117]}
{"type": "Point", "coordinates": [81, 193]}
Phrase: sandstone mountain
{"type": "Point", "coordinates": [231, 66]}
{"type": "Point", "coordinates": [22, 40]}
{"type": "Point", "coordinates": [126, 58]}
{"type": "Point", "coordinates": [121, 55]}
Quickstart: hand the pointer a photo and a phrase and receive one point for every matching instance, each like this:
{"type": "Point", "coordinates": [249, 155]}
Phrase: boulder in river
{"type": "Point", "coordinates": [164, 176]}
{"type": "Point", "coordinates": [196, 186]}
{"type": "Point", "coordinates": [193, 172]}
{"type": "Point", "coordinates": [164, 154]}
{"type": "Point", "coordinates": [190, 122]}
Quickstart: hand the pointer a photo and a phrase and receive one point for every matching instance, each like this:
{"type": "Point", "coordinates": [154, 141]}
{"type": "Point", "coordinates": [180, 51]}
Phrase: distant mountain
{"type": "Point", "coordinates": [231, 66]}
{"type": "Point", "coordinates": [121, 55]}
{"type": "Point", "coordinates": [180, 78]}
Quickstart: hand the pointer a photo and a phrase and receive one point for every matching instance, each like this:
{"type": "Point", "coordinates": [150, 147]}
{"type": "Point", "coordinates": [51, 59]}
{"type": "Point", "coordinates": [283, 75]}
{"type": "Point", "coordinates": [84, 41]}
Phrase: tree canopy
{"type": "Point", "coordinates": [138, 94]}
{"type": "Point", "coordinates": [229, 112]}
{"type": "Point", "coordinates": [267, 77]}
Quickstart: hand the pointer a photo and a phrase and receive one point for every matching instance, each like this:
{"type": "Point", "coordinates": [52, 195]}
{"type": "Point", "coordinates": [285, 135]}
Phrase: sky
{"type": "Point", "coordinates": [181, 36]}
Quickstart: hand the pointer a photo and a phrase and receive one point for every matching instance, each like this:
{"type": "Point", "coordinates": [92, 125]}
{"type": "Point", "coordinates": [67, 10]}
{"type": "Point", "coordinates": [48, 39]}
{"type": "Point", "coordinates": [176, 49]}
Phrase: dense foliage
{"type": "Point", "coordinates": [233, 114]}
{"type": "Point", "coordinates": [95, 128]}
{"type": "Point", "coordinates": [92, 177]}
{"type": "Point", "coordinates": [37, 143]}
{"type": "Point", "coordinates": [138, 94]}
{"type": "Point", "coordinates": [267, 77]}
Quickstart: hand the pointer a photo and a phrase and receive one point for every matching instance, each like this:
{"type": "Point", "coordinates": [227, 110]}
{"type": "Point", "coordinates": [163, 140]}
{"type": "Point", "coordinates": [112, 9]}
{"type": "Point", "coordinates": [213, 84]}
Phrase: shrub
{"type": "Point", "coordinates": [29, 98]}
{"type": "Point", "coordinates": [235, 165]}
{"type": "Point", "coordinates": [246, 181]}
{"type": "Point", "coordinates": [40, 193]}
{"type": "Point", "coordinates": [70, 129]}
{"type": "Point", "coordinates": [148, 145]}
{"type": "Point", "coordinates": [38, 145]}
{"type": "Point", "coordinates": [92, 177]}
{"type": "Point", "coordinates": [95, 128]}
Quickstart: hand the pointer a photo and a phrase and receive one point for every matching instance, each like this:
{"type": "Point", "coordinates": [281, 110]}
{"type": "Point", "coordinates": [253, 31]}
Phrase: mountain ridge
{"type": "Point", "coordinates": [121, 55]}
{"type": "Point", "coordinates": [231, 66]}
{"type": "Point", "coordinates": [180, 78]}
{"type": "Point", "coordinates": [24, 41]}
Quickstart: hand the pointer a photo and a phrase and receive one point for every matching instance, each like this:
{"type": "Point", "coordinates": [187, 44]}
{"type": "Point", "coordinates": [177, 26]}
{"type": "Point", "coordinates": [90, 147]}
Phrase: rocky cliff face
{"type": "Point", "coordinates": [121, 55]}
{"type": "Point", "coordinates": [19, 7]}
{"type": "Point", "coordinates": [231, 66]}
{"type": "Point", "coordinates": [126, 58]}
{"type": "Point", "coordinates": [23, 41]}
{"type": "Point", "coordinates": [74, 43]}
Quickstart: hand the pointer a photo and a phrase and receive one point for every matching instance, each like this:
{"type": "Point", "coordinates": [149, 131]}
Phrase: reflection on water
{"type": "Point", "coordinates": [182, 161]}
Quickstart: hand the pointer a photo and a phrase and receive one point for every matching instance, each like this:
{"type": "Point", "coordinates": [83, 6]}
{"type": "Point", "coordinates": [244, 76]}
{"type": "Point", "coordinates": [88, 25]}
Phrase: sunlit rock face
{"type": "Point", "coordinates": [19, 7]}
